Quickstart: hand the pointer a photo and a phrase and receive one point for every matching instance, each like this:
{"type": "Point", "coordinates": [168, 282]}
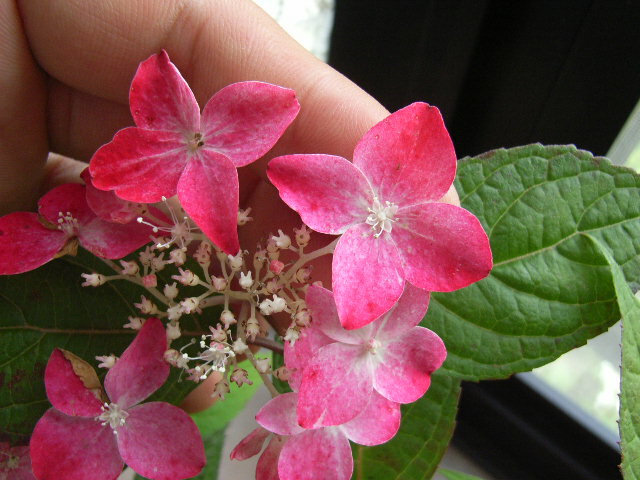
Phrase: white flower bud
{"type": "Point", "coordinates": [246, 281]}
{"type": "Point", "coordinates": [171, 291]}
{"type": "Point", "coordinates": [302, 236]}
{"type": "Point", "coordinates": [243, 216]}
{"type": "Point", "coordinates": [129, 268]}
{"type": "Point", "coordinates": [252, 329]}
{"type": "Point", "coordinates": [174, 312]}
{"type": "Point", "coordinates": [135, 323]}
{"type": "Point", "coordinates": [93, 279]}
{"type": "Point", "coordinates": [173, 331]}
{"type": "Point", "coordinates": [263, 365]}
{"type": "Point", "coordinates": [107, 361]}
{"type": "Point", "coordinates": [235, 261]}
{"type": "Point", "coordinates": [186, 277]}
{"type": "Point", "coordinates": [282, 241]}
{"type": "Point", "coordinates": [219, 283]}
{"type": "Point", "coordinates": [228, 318]}
{"type": "Point", "coordinates": [178, 257]}
{"type": "Point", "coordinates": [190, 305]}
{"type": "Point", "coordinates": [239, 347]}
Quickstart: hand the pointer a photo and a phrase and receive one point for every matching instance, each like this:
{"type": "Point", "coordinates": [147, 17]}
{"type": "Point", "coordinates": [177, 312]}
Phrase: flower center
{"type": "Point", "coordinates": [113, 415]}
{"type": "Point", "coordinates": [195, 143]}
{"type": "Point", "coordinates": [381, 217]}
{"type": "Point", "coordinates": [13, 462]}
{"type": "Point", "coordinates": [372, 346]}
{"type": "Point", "coordinates": [67, 223]}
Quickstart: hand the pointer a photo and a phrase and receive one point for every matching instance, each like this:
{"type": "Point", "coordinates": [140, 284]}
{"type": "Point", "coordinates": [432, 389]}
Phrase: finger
{"type": "Point", "coordinates": [23, 143]}
{"type": "Point", "coordinates": [99, 45]}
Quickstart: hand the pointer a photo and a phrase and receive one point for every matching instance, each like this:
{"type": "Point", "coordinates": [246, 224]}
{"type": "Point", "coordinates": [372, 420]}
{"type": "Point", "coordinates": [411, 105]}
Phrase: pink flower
{"type": "Point", "coordinates": [15, 463]}
{"type": "Point", "coordinates": [174, 148]}
{"type": "Point", "coordinates": [385, 206]}
{"type": "Point", "coordinates": [86, 435]}
{"type": "Point", "coordinates": [295, 453]}
{"type": "Point", "coordinates": [30, 240]}
{"type": "Point", "coordinates": [339, 370]}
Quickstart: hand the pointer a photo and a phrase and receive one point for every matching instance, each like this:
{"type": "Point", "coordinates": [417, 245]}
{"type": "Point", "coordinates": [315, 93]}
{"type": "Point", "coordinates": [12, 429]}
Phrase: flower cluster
{"type": "Point", "coordinates": [353, 354]}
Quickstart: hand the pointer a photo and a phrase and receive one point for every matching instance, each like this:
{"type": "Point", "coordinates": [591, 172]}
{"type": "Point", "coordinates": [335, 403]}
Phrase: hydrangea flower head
{"type": "Point", "coordinates": [89, 435]}
{"type": "Point", "coordinates": [176, 149]}
{"type": "Point", "coordinates": [385, 206]}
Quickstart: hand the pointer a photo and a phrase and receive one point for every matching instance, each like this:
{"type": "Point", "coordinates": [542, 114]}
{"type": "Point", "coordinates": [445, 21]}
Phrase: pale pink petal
{"type": "Point", "coordinates": [267, 468]}
{"type": "Point", "coordinates": [367, 276]}
{"type": "Point", "coordinates": [336, 386]}
{"type": "Point", "coordinates": [297, 357]}
{"type": "Point", "coordinates": [324, 454]}
{"type": "Point", "coordinates": [160, 99]}
{"type": "Point", "coordinates": [325, 317]}
{"type": "Point", "coordinates": [107, 205]}
{"type": "Point", "coordinates": [250, 445]}
{"type": "Point", "coordinates": [209, 192]}
{"type": "Point", "coordinates": [443, 247]}
{"type": "Point", "coordinates": [26, 243]}
{"type": "Point", "coordinates": [328, 192]}
{"type": "Point", "coordinates": [140, 165]}
{"type": "Point", "coordinates": [64, 447]}
{"type": "Point", "coordinates": [161, 442]}
{"type": "Point", "coordinates": [113, 240]}
{"type": "Point", "coordinates": [408, 157]}
{"type": "Point", "coordinates": [141, 369]}
{"type": "Point", "coordinates": [66, 391]}
{"type": "Point", "coordinates": [244, 120]}
{"type": "Point", "coordinates": [279, 415]}
{"type": "Point", "coordinates": [377, 424]}
{"type": "Point", "coordinates": [20, 466]}
{"type": "Point", "coordinates": [67, 198]}
{"type": "Point", "coordinates": [404, 315]}
{"type": "Point", "coordinates": [404, 372]}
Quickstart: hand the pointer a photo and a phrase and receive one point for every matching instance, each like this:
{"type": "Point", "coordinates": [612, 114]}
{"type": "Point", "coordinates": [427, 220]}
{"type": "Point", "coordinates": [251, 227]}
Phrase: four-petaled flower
{"type": "Point", "coordinates": [175, 149]}
{"type": "Point", "coordinates": [88, 435]}
{"type": "Point", "coordinates": [385, 206]}
{"type": "Point", "coordinates": [338, 371]}
{"type": "Point", "coordinates": [30, 240]}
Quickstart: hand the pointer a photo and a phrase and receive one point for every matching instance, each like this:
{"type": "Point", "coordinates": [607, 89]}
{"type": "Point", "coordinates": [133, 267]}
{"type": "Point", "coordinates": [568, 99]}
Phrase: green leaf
{"type": "Point", "coordinates": [550, 290]}
{"type": "Point", "coordinates": [415, 452]}
{"type": "Point", "coordinates": [630, 382]}
{"type": "Point", "coordinates": [48, 308]}
{"type": "Point", "coordinates": [453, 475]}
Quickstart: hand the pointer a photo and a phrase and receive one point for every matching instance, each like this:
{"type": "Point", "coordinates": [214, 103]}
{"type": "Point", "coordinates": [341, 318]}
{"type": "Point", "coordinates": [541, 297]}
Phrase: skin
{"type": "Point", "coordinates": [65, 71]}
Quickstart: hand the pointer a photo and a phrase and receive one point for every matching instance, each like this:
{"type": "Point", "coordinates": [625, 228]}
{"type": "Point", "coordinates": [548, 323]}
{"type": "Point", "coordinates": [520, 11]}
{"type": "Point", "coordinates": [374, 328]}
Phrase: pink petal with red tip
{"type": "Point", "coordinates": [406, 314]}
{"type": "Point", "coordinates": [316, 454]}
{"type": "Point", "coordinates": [367, 276]}
{"type": "Point", "coordinates": [141, 369]}
{"type": "Point", "coordinates": [65, 389]}
{"type": "Point", "coordinates": [250, 445]}
{"type": "Point", "coordinates": [160, 99]}
{"type": "Point", "coordinates": [408, 157]}
{"type": "Point", "coordinates": [325, 317]}
{"type": "Point", "coordinates": [328, 192]}
{"type": "Point", "coordinates": [377, 424]}
{"type": "Point", "coordinates": [336, 386]}
{"type": "Point", "coordinates": [107, 205]}
{"type": "Point", "coordinates": [161, 442]}
{"type": "Point", "coordinates": [140, 165]}
{"type": "Point", "coordinates": [64, 447]}
{"type": "Point", "coordinates": [113, 240]}
{"type": "Point", "coordinates": [297, 357]}
{"type": "Point", "coordinates": [26, 243]}
{"type": "Point", "coordinates": [279, 415]}
{"type": "Point", "coordinates": [209, 192]}
{"type": "Point", "coordinates": [244, 120]}
{"type": "Point", "coordinates": [443, 247]}
{"type": "Point", "coordinates": [267, 468]}
{"type": "Point", "coordinates": [404, 373]}
{"type": "Point", "coordinates": [67, 198]}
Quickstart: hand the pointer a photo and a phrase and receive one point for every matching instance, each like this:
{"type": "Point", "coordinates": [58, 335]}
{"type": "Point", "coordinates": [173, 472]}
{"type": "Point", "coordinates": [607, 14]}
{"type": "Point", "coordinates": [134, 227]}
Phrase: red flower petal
{"type": "Point", "coordinates": [160, 99]}
{"type": "Point", "coordinates": [161, 442]}
{"type": "Point", "coordinates": [408, 157]}
{"type": "Point", "coordinates": [328, 192]}
{"type": "Point", "coordinates": [267, 468]}
{"type": "Point", "coordinates": [279, 415]}
{"type": "Point", "coordinates": [26, 243]}
{"type": "Point", "coordinates": [113, 240]}
{"type": "Point", "coordinates": [377, 424]}
{"type": "Point", "coordinates": [406, 314]}
{"type": "Point", "coordinates": [297, 357]}
{"type": "Point", "coordinates": [404, 373]}
{"type": "Point", "coordinates": [323, 453]}
{"type": "Point", "coordinates": [70, 197]}
{"type": "Point", "coordinates": [443, 247]}
{"type": "Point", "coordinates": [325, 317]}
{"type": "Point", "coordinates": [250, 445]}
{"type": "Point", "coordinates": [367, 276]}
{"type": "Point", "coordinates": [141, 369]}
{"type": "Point", "coordinates": [66, 391]}
{"type": "Point", "coordinates": [106, 204]}
{"type": "Point", "coordinates": [140, 165]}
{"type": "Point", "coordinates": [64, 447]}
{"type": "Point", "coordinates": [336, 386]}
{"type": "Point", "coordinates": [209, 192]}
{"type": "Point", "coordinates": [244, 120]}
